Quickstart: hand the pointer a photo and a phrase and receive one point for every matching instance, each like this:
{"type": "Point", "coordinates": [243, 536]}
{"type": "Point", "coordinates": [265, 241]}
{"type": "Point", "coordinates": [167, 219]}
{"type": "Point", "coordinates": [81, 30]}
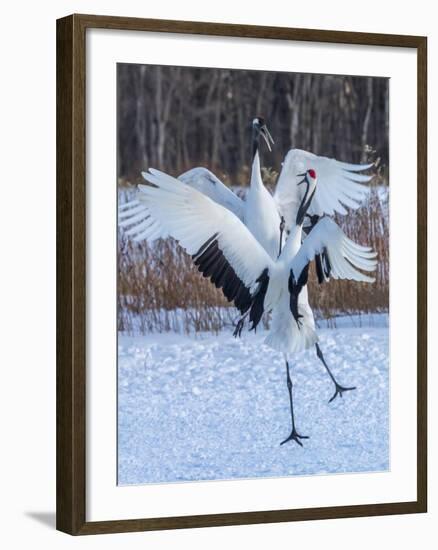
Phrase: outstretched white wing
{"type": "Point", "coordinates": [134, 215]}
{"type": "Point", "coordinates": [339, 185]}
{"type": "Point", "coordinates": [207, 183]}
{"type": "Point", "coordinates": [222, 247]}
{"type": "Point", "coordinates": [136, 221]}
{"type": "Point", "coordinates": [343, 257]}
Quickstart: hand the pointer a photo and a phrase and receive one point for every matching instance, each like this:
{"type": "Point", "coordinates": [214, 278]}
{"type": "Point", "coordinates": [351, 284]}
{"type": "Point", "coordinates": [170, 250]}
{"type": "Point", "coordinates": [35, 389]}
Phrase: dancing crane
{"type": "Point", "coordinates": [224, 250]}
{"type": "Point", "coordinates": [338, 184]}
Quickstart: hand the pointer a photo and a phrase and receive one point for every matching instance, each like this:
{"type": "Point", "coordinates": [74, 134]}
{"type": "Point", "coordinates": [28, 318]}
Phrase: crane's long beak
{"type": "Point", "coordinates": [267, 136]}
{"type": "Point", "coordinates": [304, 176]}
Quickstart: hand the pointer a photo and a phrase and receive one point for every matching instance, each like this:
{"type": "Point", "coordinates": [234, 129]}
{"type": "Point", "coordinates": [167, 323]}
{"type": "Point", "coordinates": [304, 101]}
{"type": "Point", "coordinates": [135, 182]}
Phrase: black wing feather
{"type": "Point", "coordinates": [257, 307]}
{"type": "Point", "coordinates": [322, 261]}
{"type": "Point", "coordinates": [212, 263]}
{"type": "Point", "coordinates": [319, 269]}
{"type": "Point", "coordinates": [295, 287]}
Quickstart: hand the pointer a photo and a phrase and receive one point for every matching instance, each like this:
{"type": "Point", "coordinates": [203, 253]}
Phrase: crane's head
{"type": "Point", "coordinates": [260, 129]}
{"type": "Point", "coordinates": [309, 178]}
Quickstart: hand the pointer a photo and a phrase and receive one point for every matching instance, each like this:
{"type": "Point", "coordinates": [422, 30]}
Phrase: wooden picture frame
{"type": "Point", "coordinates": [71, 273]}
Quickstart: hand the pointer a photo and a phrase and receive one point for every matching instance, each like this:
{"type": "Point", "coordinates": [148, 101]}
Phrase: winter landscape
{"type": "Point", "coordinates": [214, 407]}
{"type": "Point", "coordinates": [196, 403]}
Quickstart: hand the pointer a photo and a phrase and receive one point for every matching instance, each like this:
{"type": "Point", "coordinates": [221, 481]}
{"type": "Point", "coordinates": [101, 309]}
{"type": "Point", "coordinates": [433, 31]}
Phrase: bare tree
{"type": "Point", "coordinates": [175, 118]}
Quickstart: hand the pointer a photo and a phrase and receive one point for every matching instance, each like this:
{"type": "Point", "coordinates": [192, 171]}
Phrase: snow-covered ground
{"type": "Point", "coordinates": [204, 407]}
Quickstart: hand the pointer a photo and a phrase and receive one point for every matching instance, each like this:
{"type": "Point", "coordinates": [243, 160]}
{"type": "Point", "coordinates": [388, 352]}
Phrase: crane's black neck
{"type": "Point", "coordinates": [304, 206]}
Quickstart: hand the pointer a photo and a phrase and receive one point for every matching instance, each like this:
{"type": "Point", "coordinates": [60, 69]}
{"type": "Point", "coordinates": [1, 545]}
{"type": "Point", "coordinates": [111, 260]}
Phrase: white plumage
{"type": "Point", "coordinates": [339, 185]}
{"type": "Point", "coordinates": [208, 184]}
{"type": "Point", "coordinates": [202, 205]}
{"type": "Point", "coordinates": [192, 218]}
{"type": "Point", "coordinates": [198, 223]}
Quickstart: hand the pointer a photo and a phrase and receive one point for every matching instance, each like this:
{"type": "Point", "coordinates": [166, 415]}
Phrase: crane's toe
{"type": "Point", "coordinates": [295, 436]}
{"type": "Point", "coordinates": [340, 390]}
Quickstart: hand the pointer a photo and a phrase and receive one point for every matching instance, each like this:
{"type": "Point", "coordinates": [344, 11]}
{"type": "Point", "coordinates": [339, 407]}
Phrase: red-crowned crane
{"type": "Point", "coordinates": [225, 250]}
{"type": "Point", "coordinates": [339, 185]}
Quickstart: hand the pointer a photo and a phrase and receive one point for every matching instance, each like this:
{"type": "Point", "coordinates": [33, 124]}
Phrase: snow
{"type": "Point", "coordinates": [206, 407]}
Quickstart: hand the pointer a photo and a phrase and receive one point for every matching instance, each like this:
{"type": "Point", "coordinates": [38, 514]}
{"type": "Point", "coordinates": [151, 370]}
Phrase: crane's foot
{"type": "Point", "coordinates": [295, 436]}
{"type": "Point", "coordinates": [340, 390]}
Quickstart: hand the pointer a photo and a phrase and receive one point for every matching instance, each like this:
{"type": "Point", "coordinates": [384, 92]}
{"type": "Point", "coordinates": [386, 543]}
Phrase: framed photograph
{"type": "Point", "coordinates": [241, 288]}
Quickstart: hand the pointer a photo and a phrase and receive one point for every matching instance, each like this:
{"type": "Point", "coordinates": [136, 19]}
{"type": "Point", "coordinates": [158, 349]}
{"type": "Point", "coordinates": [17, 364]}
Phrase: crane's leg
{"type": "Point", "coordinates": [294, 435]}
{"type": "Point", "coordinates": [339, 390]}
{"type": "Point", "coordinates": [239, 326]}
